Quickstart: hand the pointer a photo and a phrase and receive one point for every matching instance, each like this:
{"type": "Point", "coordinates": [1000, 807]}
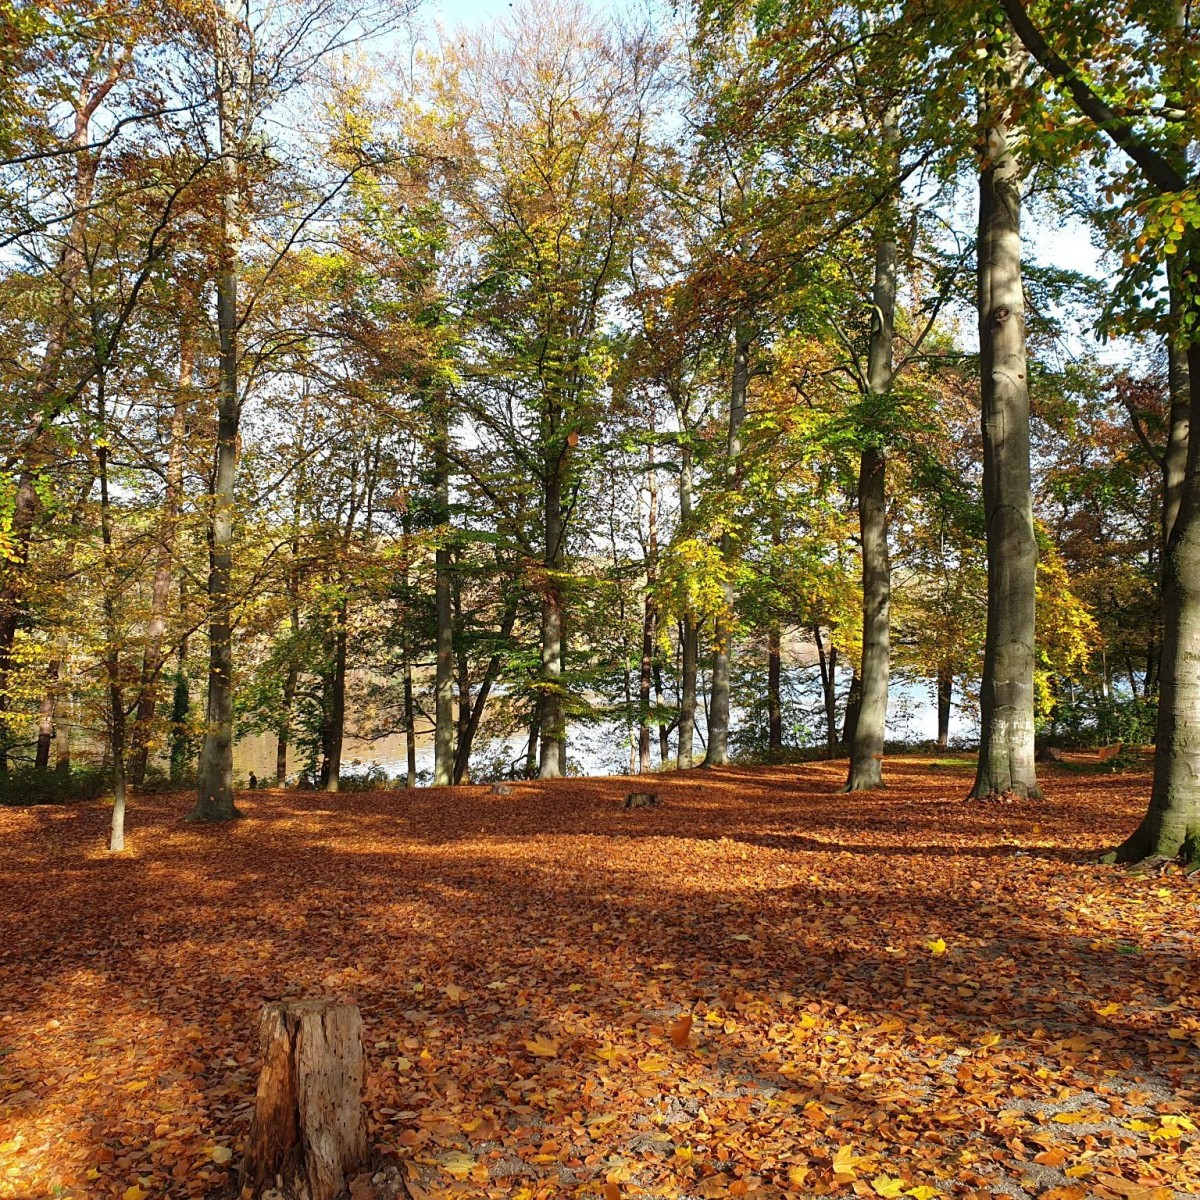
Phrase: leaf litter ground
{"type": "Point", "coordinates": [760, 988]}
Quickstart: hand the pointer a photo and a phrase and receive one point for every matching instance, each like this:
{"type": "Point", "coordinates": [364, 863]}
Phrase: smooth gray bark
{"type": "Point", "coordinates": [870, 725]}
{"type": "Point", "coordinates": [1175, 454]}
{"type": "Point", "coordinates": [1171, 826]}
{"type": "Point", "coordinates": [1006, 750]}
{"type": "Point", "coordinates": [718, 717]}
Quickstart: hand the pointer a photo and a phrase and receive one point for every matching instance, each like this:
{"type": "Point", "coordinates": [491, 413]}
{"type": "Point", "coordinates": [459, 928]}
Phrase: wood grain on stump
{"type": "Point", "coordinates": [308, 1131]}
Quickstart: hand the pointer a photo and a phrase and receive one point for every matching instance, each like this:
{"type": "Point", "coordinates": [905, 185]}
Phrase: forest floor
{"type": "Point", "coordinates": [892, 994]}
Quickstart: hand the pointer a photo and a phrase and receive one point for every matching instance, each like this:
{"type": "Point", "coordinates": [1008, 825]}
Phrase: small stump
{"type": "Point", "coordinates": [641, 800]}
{"type": "Point", "coordinates": [308, 1131]}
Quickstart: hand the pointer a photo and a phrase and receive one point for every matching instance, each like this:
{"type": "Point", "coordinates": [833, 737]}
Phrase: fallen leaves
{"type": "Point", "coordinates": [553, 1007]}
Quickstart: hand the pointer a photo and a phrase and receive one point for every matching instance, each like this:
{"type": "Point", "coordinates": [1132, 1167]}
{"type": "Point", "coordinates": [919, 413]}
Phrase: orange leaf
{"type": "Point", "coordinates": [681, 1030]}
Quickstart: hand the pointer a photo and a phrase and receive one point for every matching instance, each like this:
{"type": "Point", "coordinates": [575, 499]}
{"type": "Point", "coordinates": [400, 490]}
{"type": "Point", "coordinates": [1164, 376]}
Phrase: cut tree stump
{"type": "Point", "coordinates": [308, 1132]}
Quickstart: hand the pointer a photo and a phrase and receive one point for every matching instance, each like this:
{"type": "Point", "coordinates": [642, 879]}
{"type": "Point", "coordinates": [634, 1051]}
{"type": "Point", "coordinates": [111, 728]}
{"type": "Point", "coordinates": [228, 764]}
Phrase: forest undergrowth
{"type": "Point", "coordinates": [758, 988]}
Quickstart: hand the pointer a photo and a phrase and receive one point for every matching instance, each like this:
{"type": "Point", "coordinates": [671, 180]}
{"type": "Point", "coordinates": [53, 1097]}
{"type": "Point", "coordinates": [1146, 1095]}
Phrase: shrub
{"type": "Point", "coordinates": [27, 785]}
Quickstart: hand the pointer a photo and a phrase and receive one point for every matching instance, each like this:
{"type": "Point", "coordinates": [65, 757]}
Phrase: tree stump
{"type": "Point", "coordinates": [308, 1131]}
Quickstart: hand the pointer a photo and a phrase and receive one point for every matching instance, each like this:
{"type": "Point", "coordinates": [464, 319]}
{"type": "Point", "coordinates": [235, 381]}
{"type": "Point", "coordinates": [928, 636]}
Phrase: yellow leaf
{"type": "Point", "coordinates": [10, 1146]}
{"type": "Point", "coordinates": [134, 1192]}
{"type": "Point", "coordinates": [1078, 1171]}
{"type": "Point", "coordinates": [541, 1047]}
{"type": "Point", "coordinates": [844, 1161]}
{"type": "Point", "coordinates": [937, 946]}
{"type": "Point", "coordinates": [1174, 1121]}
{"type": "Point", "coordinates": [797, 1175]}
{"type": "Point", "coordinates": [220, 1154]}
{"type": "Point", "coordinates": [653, 1064]}
{"type": "Point", "coordinates": [457, 1164]}
{"type": "Point", "coordinates": [454, 992]}
{"type": "Point", "coordinates": [992, 1039]}
{"type": "Point", "coordinates": [403, 1064]}
{"type": "Point", "coordinates": [886, 1185]}
{"type": "Point", "coordinates": [922, 1192]}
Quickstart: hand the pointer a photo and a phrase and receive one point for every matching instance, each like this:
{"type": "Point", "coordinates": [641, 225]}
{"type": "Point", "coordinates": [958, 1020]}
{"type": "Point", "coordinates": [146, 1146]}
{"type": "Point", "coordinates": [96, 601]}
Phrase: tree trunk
{"type": "Point", "coordinates": [491, 672]}
{"type": "Point", "coordinates": [1171, 825]}
{"type": "Point", "coordinates": [853, 703]}
{"type": "Point", "coordinates": [649, 623]}
{"type": "Point", "coordinates": [154, 655]}
{"type": "Point", "coordinates": [718, 720]}
{"type": "Point", "coordinates": [443, 687]}
{"type": "Point", "coordinates": [531, 747]}
{"type": "Point", "coordinates": [41, 759]}
{"type": "Point", "coordinates": [870, 725]}
{"type": "Point", "coordinates": [337, 705]}
{"type": "Point", "coordinates": [112, 648]}
{"type": "Point", "coordinates": [689, 638]}
{"type": "Point", "coordinates": [870, 719]}
{"type": "Point", "coordinates": [1175, 455]}
{"type": "Point", "coordinates": [308, 1134]}
{"type": "Point", "coordinates": [774, 681]}
{"type": "Point", "coordinates": [553, 717]}
{"type": "Point", "coordinates": [1006, 749]}
{"type": "Point", "coordinates": [214, 801]}
{"type": "Point", "coordinates": [945, 694]}
{"type": "Point", "coordinates": [828, 666]}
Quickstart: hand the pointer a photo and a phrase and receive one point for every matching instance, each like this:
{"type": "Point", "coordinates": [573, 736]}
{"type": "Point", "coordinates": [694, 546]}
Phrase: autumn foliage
{"type": "Point", "coordinates": [757, 988]}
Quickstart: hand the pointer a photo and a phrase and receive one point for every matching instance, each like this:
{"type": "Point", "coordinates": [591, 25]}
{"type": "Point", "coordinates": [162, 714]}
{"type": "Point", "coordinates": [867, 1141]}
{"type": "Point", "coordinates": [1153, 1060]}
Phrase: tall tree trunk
{"type": "Point", "coordinates": [649, 622]}
{"type": "Point", "coordinates": [553, 717]}
{"type": "Point", "coordinates": [443, 686]}
{"type": "Point", "coordinates": [41, 759]}
{"type": "Point", "coordinates": [718, 720]}
{"type": "Point", "coordinates": [337, 705]}
{"type": "Point", "coordinates": [214, 801]}
{"type": "Point", "coordinates": [828, 666]}
{"type": "Point", "coordinates": [1175, 456]}
{"type": "Point", "coordinates": [531, 746]}
{"type": "Point", "coordinates": [945, 697]}
{"type": "Point", "coordinates": [283, 735]}
{"type": "Point", "coordinates": [1006, 749]}
{"type": "Point", "coordinates": [154, 654]}
{"type": "Point", "coordinates": [112, 649]}
{"type": "Point", "coordinates": [689, 638]}
{"type": "Point", "coordinates": [774, 688]}
{"type": "Point", "coordinates": [1171, 825]}
{"type": "Point", "coordinates": [870, 725]}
